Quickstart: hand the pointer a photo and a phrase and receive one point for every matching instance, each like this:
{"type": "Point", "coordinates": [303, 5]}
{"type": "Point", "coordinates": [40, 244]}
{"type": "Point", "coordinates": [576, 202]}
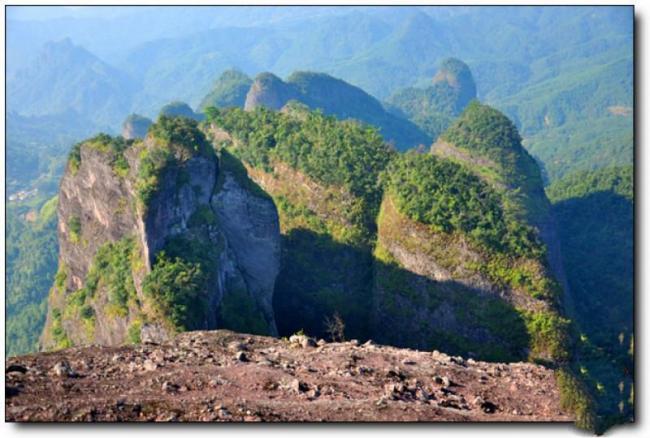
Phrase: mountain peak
{"type": "Point", "coordinates": [66, 50]}
{"type": "Point", "coordinates": [269, 91]}
{"type": "Point", "coordinates": [65, 43]}
{"type": "Point", "coordinates": [232, 73]}
{"type": "Point", "coordinates": [229, 90]}
{"type": "Point", "coordinates": [335, 97]}
{"type": "Point", "coordinates": [135, 126]}
{"type": "Point", "coordinates": [481, 127]}
{"type": "Point", "coordinates": [456, 74]}
{"type": "Point", "coordinates": [179, 109]}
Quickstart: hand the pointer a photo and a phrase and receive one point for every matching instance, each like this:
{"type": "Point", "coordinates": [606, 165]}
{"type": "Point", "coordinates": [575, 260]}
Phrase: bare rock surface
{"type": "Point", "coordinates": [226, 376]}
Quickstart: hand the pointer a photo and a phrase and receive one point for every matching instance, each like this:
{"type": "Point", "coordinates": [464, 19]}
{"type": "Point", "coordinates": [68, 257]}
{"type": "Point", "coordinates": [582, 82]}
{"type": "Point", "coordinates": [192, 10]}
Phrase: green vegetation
{"type": "Point", "coordinates": [74, 229]}
{"type": "Point", "coordinates": [60, 277]}
{"type": "Point", "coordinates": [549, 334]}
{"type": "Point", "coordinates": [228, 91]}
{"type": "Point", "coordinates": [486, 132]}
{"type": "Point", "coordinates": [239, 312]}
{"type": "Point", "coordinates": [115, 146]}
{"type": "Point", "coordinates": [152, 164]}
{"type": "Point", "coordinates": [133, 332]}
{"type": "Point", "coordinates": [177, 288]}
{"type": "Point", "coordinates": [448, 197]}
{"type": "Point", "coordinates": [74, 158]}
{"type": "Point", "coordinates": [595, 215]}
{"type": "Point", "coordinates": [617, 180]}
{"type": "Point", "coordinates": [59, 336]}
{"type": "Point", "coordinates": [202, 216]}
{"type": "Point", "coordinates": [181, 132]}
{"type": "Point", "coordinates": [31, 261]}
{"type": "Point", "coordinates": [435, 107]}
{"type": "Point", "coordinates": [581, 119]}
{"type": "Point", "coordinates": [111, 268]}
{"type": "Point", "coordinates": [178, 139]}
{"type": "Point", "coordinates": [575, 398]}
{"type": "Point", "coordinates": [48, 210]}
{"type": "Point", "coordinates": [343, 154]}
{"type": "Point", "coordinates": [179, 280]}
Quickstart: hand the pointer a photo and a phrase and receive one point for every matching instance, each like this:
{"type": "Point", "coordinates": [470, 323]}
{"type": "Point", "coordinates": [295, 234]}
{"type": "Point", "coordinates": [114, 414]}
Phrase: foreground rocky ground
{"type": "Point", "coordinates": [225, 376]}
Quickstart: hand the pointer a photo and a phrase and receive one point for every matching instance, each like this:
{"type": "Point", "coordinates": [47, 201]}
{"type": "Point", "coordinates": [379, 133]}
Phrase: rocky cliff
{"type": "Point", "coordinates": [487, 142]}
{"type": "Point", "coordinates": [415, 250]}
{"type": "Point", "coordinates": [157, 236]}
{"type": "Point", "coordinates": [326, 207]}
{"type": "Point", "coordinates": [225, 376]}
{"type": "Point", "coordinates": [463, 254]}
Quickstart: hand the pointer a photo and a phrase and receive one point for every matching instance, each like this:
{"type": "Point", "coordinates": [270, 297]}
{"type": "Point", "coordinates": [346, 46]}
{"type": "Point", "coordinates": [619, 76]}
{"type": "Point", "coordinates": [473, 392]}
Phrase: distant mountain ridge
{"type": "Point", "coordinates": [60, 68]}
{"type": "Point", "coordinates": [541, 66]}
{"type": "Point", "coordinates": [335, 97]}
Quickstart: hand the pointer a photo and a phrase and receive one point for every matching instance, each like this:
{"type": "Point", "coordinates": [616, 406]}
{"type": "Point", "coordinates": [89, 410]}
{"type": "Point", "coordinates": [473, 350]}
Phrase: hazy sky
{"type": "Point", "coordinates": [52, 12]}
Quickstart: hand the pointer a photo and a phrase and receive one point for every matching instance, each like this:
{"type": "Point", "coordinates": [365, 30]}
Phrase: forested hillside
{"type": "Point", "coordinates": [445, 178]}
{"type": "Point", "coordinates": [433, 108]}
{"type": "Point", "coordinates": [31, 263]}
{"type": "Point", "coordinates": [594, 210]}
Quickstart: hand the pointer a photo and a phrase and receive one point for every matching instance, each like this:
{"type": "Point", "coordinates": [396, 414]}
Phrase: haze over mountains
{"type": "Point", "coordinates": [542, 66]}
{"type": "Point", "coordinates": [285, 151]}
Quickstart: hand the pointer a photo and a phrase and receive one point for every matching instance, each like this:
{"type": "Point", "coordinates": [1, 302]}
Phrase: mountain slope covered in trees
{"type": "Point", "coordinates": [563, 76]}
{"type": "Point", "coordinates": [433, 108]}
{"type": "Point", "coordinates": [595, 214]}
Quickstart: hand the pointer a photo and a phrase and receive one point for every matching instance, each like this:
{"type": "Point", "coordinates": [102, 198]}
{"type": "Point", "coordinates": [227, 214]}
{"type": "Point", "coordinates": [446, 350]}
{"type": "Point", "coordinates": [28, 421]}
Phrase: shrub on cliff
{"type": "Point", "coordinates": [178, 289]}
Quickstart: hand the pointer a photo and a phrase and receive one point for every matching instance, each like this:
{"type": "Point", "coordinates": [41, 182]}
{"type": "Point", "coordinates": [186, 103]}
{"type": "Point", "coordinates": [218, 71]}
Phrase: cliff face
{"type": "Point", "coordinates": [498, 157]}
{"type": "Point", "coordinates": [474, 269]}
{"type": "Point", "coordinates": [320, 275]}
{"type": "Point", "coordinates": [434, 290]}
{"type": "Point", "coordinates": [152, 243]}
{"type": "Point", "coordinates": [250, 225]}
{"type": "Point", "coordinates": [416, 250]}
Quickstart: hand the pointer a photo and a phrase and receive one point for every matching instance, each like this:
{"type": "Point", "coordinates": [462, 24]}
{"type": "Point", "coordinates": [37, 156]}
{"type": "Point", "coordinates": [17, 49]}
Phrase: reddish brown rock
{"type": "Point", "coordinates": [185, 386]}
